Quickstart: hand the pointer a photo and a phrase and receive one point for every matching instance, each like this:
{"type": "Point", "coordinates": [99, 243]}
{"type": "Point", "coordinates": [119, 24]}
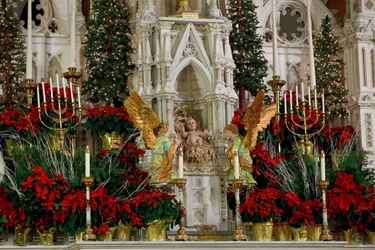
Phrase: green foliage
{"type": "Point", "coordinates": [107, 50]}
{"type": "Point", "coordinates": [328, 67]}
{"type": "Point", "coordinates": [248, 54]}
{"type": "Point", "coordinates": [12, 58]}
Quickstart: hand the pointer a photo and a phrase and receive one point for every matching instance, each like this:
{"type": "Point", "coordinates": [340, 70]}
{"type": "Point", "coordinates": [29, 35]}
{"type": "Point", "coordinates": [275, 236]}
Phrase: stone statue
{"type": "Point", "coordinates": [255, 120]}
{"type": "Point", "coordinates": [146, 120]}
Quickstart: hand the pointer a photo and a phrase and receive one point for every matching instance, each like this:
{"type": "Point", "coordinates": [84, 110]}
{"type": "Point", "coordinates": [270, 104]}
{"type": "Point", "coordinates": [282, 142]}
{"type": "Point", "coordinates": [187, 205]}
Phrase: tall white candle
{"type": "Point", "coordinates": [64, 86]}
{"type": "Point", "coordinates": [297, 94]}
{"type": "Point", "coordinates": [180, 164]}
{"type": "Point", "coordinates": [44, 90]}
{"type": "Point", "coordinates": [322, 166]}
{"type": "Point", "coordinates": [323, 106]}
{"type": "Point", "coordinates": [29, 56]}
{"type": "Point", "coordinates": [236, 165]}
{"type": "Point", "coordinates": [87, 162]}
{"type": "Point", "coordinates": [79, 97]}
{"type": "Point", "coordinates": [285, 103]}
{"type": "Point", "coordinates": [38, 96]}
{"type": "Point", "coordinates": [274, 40]}
{"type": "Point", "coordinates": [302, 92]}
{"type": "Point", "coordinates": [309, 95]}
{"type": "Point", "coordinates": [291, 99]}
{"type": "Point", "coordinates": [71, 91]}
{"type": "Point", "coordinates": [315, 99]}
{"type": "Point", "coordinates": [58, 83]}
{"type": "Point", "coordinates": [51, 87]}
{"type": "Point", "coordinates": [311, 49]}
{"type": "Point", "coordinates": [73, 34]}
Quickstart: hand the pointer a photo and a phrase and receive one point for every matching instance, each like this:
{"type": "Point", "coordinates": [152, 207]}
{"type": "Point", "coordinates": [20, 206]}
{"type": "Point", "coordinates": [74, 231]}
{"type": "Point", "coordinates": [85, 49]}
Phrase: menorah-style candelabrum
{"type": "Point", "coordinates": [306, 117]}
{"type": "Point", "coordinates": [59, 112]}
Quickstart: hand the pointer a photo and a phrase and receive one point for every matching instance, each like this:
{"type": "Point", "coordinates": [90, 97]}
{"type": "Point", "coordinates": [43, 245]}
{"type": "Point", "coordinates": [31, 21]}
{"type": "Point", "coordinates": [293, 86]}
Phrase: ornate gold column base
{"type": "Point", "coordinates": [239, 235]}
{"type": "Point", "coordinates": [88, 235]}
{"type": "Point", "coordinates": [72, 75]}
{"type": "Point", "coordinates": [326, 234]}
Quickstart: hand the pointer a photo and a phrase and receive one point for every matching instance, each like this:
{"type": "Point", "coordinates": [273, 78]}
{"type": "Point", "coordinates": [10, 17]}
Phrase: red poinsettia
{"type": "Point", "coordinates": [338, 136]}
{"type": "Point", "coordinates": [346, 201]}
{"type": "Point", "coordinates": [9, 216]}
{"type": "Point", "coordinates": [156, 205]}
{"type": "Point", "coordinates": [261, 206]}
{"type": "Point", "coordinates": [18, 121]}
{"type": "Point", "coordinates": [43, 193]}
{"type": "Point", "coordinates": [107, 119]}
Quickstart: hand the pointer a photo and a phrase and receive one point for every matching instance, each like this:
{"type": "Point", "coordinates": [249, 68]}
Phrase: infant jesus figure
{"type": "Point", "coordinates": [196, 148]}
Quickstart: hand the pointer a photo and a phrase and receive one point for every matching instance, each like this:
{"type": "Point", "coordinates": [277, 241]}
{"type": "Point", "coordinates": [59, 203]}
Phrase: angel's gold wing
{"type": "Point", "coordinates": [143, 117]}
{"type": "Point", "coordinates": [256, 119]}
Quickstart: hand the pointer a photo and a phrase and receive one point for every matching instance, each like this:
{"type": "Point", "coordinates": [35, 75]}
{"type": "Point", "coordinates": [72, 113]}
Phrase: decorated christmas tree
{"type": "Point", "coordinates": [12, 62]}
{"type": "Point", "coordinates": [328, 67]}
{"type": "Point", "coordinates": [107, 50]}
{"type": "Point", "coordinates": [251, 65]}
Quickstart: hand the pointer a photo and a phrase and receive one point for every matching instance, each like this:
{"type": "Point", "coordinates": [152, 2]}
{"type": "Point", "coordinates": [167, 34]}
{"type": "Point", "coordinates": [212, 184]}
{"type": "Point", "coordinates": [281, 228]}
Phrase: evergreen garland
{"type": "Point", "coordinates": [328, 69]}
{"type": "Point", "coordinates": [12, 57]}
{"type": "Point", "coordinates": [248, 54]}
{"type": "Point", "coordinates": [107, 50]}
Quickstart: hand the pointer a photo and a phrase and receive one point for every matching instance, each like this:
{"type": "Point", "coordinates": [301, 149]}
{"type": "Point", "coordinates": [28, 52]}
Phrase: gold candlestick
{"type": "Point", "coordinates": [326, 235]}
{"type": "Point", "coordinates": [89, 233]}
{"type": "Point", "coordinates": [72, 75]}
{"type": "Point", "coordinates": [238, 233]}
{"type": "Point", "coordinates": [181, 233]}
{"type": "Point", "coordinates": [29, 86]}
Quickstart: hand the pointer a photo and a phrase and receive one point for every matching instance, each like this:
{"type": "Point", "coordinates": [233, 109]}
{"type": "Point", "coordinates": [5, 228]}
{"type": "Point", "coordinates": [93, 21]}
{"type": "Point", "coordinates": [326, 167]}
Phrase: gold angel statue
{"type": "Point", "coordinates": [255, 120]}
{"type": "Point", "coordinates": [146, 120]}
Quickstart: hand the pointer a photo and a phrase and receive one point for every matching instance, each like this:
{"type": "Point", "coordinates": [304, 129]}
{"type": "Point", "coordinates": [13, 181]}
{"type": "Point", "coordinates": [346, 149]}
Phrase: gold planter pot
{"type": "Point", "coordinates": [109, 235]}
{"type": "Point", "coordinates": [282, 233]}
{"type": "Point", "coordinates": [299, 234]}
{"type": "Point", "coordinates": [350, 235]}
{"type": "Point", "coordinates": [263, 231]}
{"type": "Point", "coordinates": [370, 237]}
{"type": "Point", "coordinates": [46, 236]}
{"type": "Point", "coordinates": [314, 232]}
{"type": "Point", "coordinates": [156, 231]}
{"type": "Point", "coordinates": [111, 140]}
{"type": "Point", "coordinates": [122, 232]}
{"type": "Point", "coordinates": [21, 235]}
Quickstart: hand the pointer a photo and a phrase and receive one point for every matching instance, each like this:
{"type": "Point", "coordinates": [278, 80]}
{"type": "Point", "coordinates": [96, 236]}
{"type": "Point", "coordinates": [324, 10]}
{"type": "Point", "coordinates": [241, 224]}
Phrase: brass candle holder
{"type": "Point", "coordinates": [88, 234]}
{"type": "Point", "coordinates": [181, 233]}
{"type": "Point", "coordinates": [238, 233]}
{"type": "Point", "coordinates": [72, 75]}
{"type": "Point", "coordinates": [276, 84]}
{"type": "Point", "coordinates": [29, 86]}
{"type": "Point", "coordinates": [326, 235]}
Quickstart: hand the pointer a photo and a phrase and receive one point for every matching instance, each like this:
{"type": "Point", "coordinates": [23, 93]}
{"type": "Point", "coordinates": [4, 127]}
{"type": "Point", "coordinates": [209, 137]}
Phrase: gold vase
{"type": "Point", "coordinates": [111, 140]}
{"type": "Point", "coordinates": [282, 233]}
{"type": "Point", "coordinates": [78, 236]}
{"type": "Point", "coordinates": [299, 234]}
{"type": "Point", "coordinates": [109, 235]}
{"type": "Point", "coordinates": [314, 232]}
{"type": "Point", "coordinates": [122, 232]}
{"type": "Point", "coordinates": [350, 235]}
{"type": "Point", "coordinates": [46, 236]}
{"type": "Point", "coordinates": [263, 231]}
{"type": "Point", "coordinates": [21, 235]}
{"type": "Point", "coordinates": [156, 231]}
{"type": "Point", "coordinates": [370, 236]}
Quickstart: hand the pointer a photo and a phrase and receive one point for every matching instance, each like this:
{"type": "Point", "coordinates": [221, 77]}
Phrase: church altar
{"type": "Point", "coordinates": [198, 245]}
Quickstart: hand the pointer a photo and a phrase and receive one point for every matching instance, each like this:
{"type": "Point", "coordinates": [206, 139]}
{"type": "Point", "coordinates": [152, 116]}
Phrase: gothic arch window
{"type": "Point", "coordinates": [364, 67]}
{"type": "Point", "coordinates": [293, 76]}
{"type": "Point", "coordinates": [290, 22]}
{"type": "Point", "coordinates": [43, 17]}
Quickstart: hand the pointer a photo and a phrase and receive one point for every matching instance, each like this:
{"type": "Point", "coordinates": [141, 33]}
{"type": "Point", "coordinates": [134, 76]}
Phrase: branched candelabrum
{"type": "Point", "coordinates": [306, 117]}
{"type": "Point", "coordinates": [60, 113]}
